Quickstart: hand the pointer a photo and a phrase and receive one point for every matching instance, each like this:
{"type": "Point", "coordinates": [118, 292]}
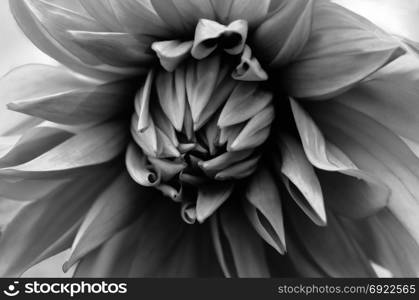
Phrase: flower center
{"type": "Point", "coordinates": [198, 130]}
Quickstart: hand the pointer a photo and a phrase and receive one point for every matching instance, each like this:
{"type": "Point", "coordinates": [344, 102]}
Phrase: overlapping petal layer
{"type": "Point", "coordinates": [207, 85]}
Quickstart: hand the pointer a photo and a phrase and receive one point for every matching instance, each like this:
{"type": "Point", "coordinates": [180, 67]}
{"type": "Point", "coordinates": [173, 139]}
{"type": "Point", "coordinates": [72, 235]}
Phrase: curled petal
{"type": "Point", "coordinates": [167, 168]}
{"type": "Point", "coordinates": [188, 212]}
{"type": "Point", "coordinates": [147, 138]}
{"type": "Point", "coordinates": [176, 194]}
{"type": "Point", "coordinates": [171, 53]}
{"type": "Point", "coordinates": [249, 68]}
{"type": "Point", "coordinates": [210, 34]}
{"type": "Point", "coordinates": [139, 168]}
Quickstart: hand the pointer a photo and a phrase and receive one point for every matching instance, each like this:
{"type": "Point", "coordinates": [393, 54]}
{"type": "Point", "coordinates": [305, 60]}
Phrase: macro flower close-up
{"type": "Point", "coordinates": [210, 138]}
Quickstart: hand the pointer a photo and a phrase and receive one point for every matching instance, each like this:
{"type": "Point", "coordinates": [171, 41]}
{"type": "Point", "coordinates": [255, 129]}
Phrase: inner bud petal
{"type": "Point", "coordinates": [205, 128]}
{"type": "Point", "coordinates": [210, 34]}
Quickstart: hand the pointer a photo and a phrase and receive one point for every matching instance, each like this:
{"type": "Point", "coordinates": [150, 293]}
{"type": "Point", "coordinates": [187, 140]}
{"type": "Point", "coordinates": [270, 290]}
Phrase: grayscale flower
{"type": "Point", "coordinates": [206, 138]}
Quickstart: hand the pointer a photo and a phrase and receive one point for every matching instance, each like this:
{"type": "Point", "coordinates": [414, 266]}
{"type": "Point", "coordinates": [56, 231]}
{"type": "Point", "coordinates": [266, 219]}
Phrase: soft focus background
{"type": "Point", "coordinates": [400, 17]}
{"type": "Point", "coordinates": [15, 48]}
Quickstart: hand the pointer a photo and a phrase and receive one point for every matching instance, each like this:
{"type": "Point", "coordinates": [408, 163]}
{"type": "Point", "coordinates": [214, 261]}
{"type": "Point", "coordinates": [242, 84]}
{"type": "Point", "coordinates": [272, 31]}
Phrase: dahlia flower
{"type": "Point", "coordinates": [209, 138]}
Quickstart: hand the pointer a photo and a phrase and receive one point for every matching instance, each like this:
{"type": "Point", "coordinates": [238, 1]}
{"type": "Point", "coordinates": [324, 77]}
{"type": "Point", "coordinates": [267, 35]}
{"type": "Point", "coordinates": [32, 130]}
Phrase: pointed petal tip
{"type": "Point", "coordinates": [13, 106]}
{"type": "Point", "coordinates": [66, 266]}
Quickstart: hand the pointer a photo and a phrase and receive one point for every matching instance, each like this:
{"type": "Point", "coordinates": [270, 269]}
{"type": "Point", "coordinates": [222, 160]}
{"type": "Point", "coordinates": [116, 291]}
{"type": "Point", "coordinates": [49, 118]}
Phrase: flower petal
{"type": "Point", "coordinates": [333, 249]}
{"type": "Point", "coordinates": [210, 35]}
{"type": "Point", "coordinates": [56, 94]}
{"type": "Point", "coordinates": [183, 15]}
{"type": "Point", "coordinates": [30, 232]}
{"type": "Point", "coordinates": [139, 168]}
{"type": "Point", "coordinates": [28, 190]}
{"type": "Point", "coordinates": [263, 194]}
{"type": "Point", "coordinates": [107, 216]}
{"type": "Point", "coordinates": [381, 237]}
{"type": "Point", "coordinates": [249, 68]}
{"type": "Point", "coordinates": [210, 198]}
{"type": "Point", "coordinates": [139, 17]}
{"type": "Point", "coordinates": [379, 151]}
{"type": "Point", "coordinates": [342, 50]}
{"type": "Point", "coordinates": [403, 19]}
{"type": "Point", "coordinates": [172, 53]}
{"type": "Point", "coordinates": [223, 161]}
{"type": "Point", "coordinates": [148, 245]}
{"type": "Point", "coordinates": [244, 102]}
{"type": "Point", "coordinates": [201, 81]}
{"type": "Point", "coordinates": [8, 210]}
{"type": "Point", "coordinates": [30, 144]}
{"type": "Point", "coordinates": [102, 12]}
{"type": "Point", "coordinates": [239, 170]}
{"type": "Point", "coordinates": [229, 10]}
{"type": "Point", "coordinates": [303, 264]}
{"type": "Point", "coordinates": [298, 170]}
{"type": "Point", "coordinates": [367, 194]}
{"type": "Point", "coordinates": [390, 97]}
{"type": "Point", "coordinates": [38, 80]}
{"type": "Point", "coordinates": [282, 36]}
{"type": "Point", "coordinates": [115, 48]}
{"type": "Point", "coordinates": [58, 20]}
{"type": "Point", "coordinates": [146, 138]}
{"type": "Point", "coordinates": [233, 235]}
{"type": "Point", "coordinates": [351, 198]}
{"type": "Point", "coordinates": [36, 32]}
{"type": "Point", "coordinates": [95, 146]}
{"type": "Point", "coordinates": [255, 132]}
{"type": "Point", "coordinates": [171, 92]}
